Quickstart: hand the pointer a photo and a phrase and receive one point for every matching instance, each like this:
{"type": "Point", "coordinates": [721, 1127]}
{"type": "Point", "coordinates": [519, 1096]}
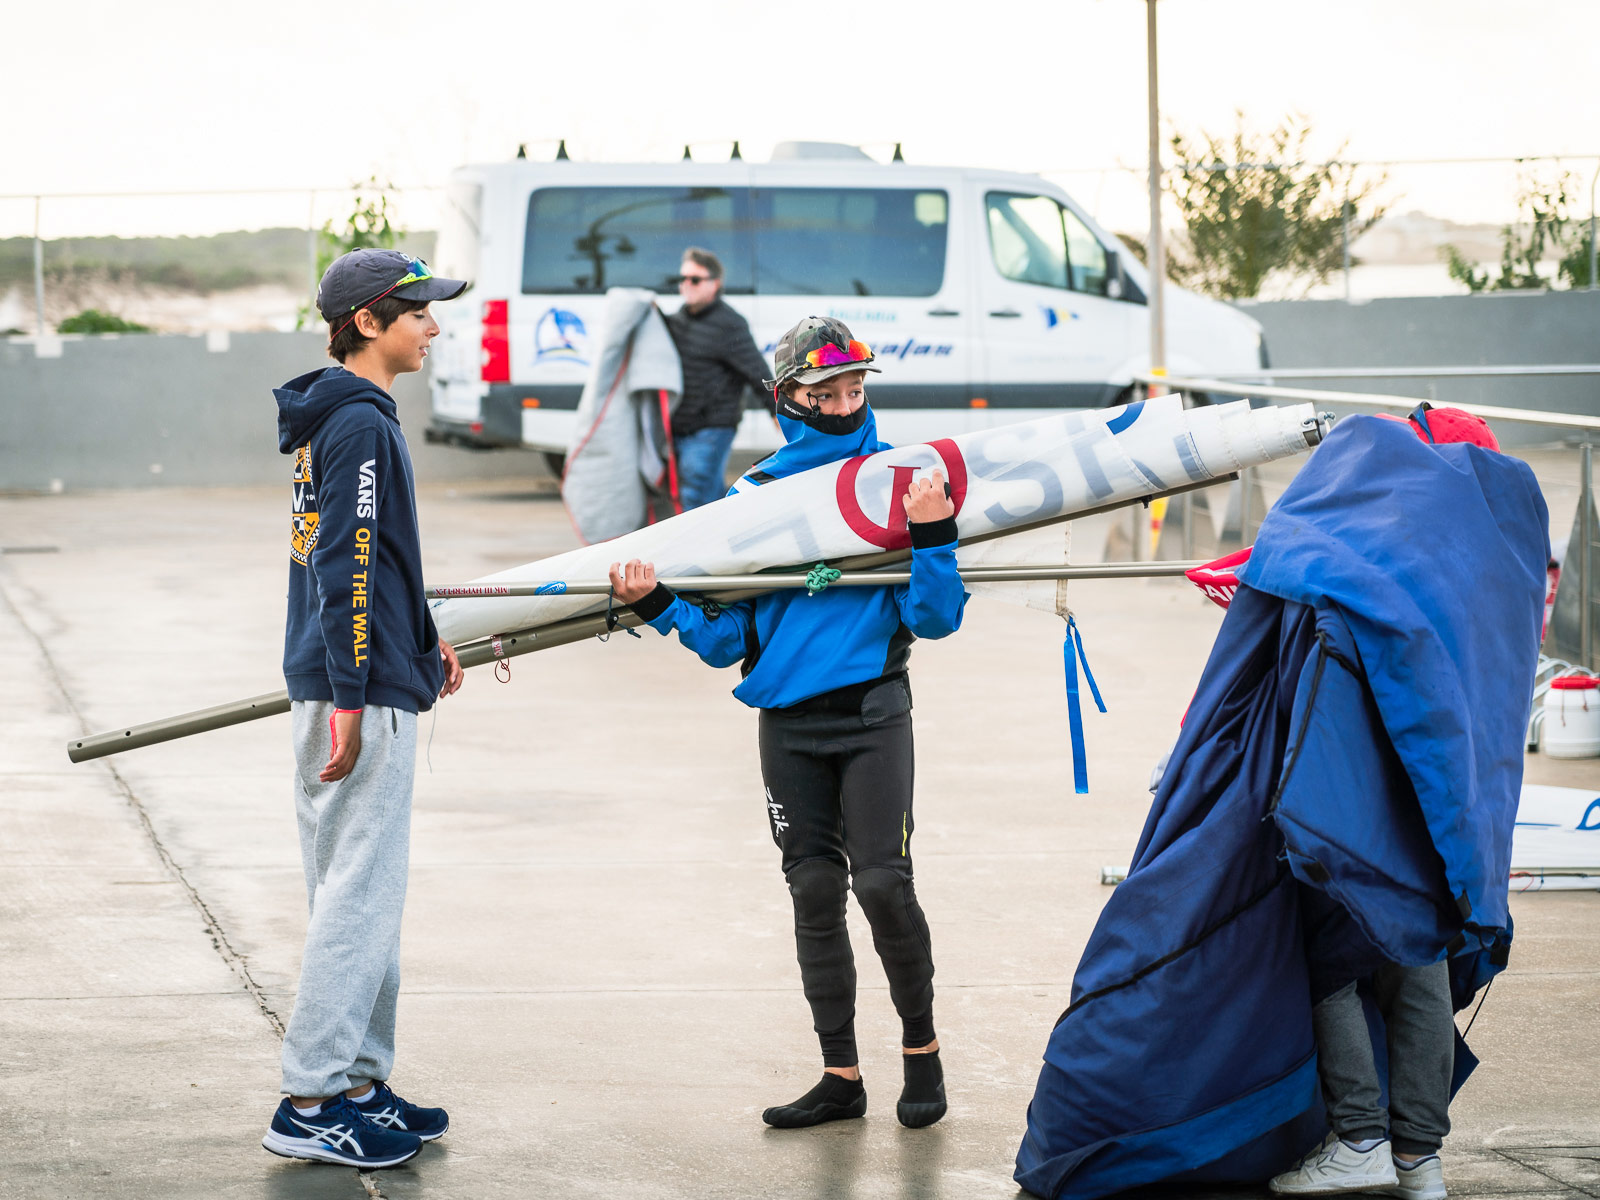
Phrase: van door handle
{"type": "Point", "coordinates": [1005, 312]}
{"type": "Point", "coordinates": [944, 312]}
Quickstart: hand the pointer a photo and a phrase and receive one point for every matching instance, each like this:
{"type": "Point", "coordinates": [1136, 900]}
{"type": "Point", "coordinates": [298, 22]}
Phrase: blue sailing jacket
{"type": "Point", "coordinates": [794, 645]}
{"type": "Point", "coordinates": [1342, 794]}
{"type": "Point", "coordinates": [359, 631]}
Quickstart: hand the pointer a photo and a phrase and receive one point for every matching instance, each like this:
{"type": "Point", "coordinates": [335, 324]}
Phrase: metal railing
{"type": "Point", "coordinates": [1578, 643]}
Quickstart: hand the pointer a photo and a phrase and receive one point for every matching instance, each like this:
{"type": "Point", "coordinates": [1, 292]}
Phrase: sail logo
{"type": "Point", "coordinates": [895, 532]}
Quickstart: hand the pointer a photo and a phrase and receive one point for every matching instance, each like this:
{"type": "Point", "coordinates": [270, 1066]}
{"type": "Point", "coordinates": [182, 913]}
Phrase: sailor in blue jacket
{"type": "Point", "coordinates": [828, 672]}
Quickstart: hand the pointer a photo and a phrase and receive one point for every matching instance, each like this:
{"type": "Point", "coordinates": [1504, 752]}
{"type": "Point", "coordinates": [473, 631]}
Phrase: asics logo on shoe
{"type": "Point", "coordinates": [340, 1137]}
{"type": "Point", "coordinates": [389, 1117]}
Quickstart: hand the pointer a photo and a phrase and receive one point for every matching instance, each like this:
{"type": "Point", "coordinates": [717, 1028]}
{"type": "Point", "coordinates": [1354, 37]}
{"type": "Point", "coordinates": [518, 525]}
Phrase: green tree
{"type": "Point", "coordinates": [1574, 268]}
{"type": "Point", "coordinates": [92, 320]}
{"type": "Point", "coordinates": [369, 225]}
{"type": "Point", "coordinates": [1544, 226]}
{"type": "Point", "coordinates": [1254, 207]}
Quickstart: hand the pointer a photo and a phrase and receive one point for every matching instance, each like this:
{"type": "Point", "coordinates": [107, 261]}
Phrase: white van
{"type": "Point", "coordinates": [988, 297]}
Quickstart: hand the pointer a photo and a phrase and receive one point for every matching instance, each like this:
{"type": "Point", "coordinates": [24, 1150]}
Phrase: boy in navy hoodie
{"type": "Point", "coordinates": [362, 658]}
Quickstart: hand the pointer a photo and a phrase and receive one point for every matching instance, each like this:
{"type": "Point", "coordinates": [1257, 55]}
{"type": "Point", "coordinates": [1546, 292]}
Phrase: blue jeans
{"type": "Point", "coordinates": [703, 465]}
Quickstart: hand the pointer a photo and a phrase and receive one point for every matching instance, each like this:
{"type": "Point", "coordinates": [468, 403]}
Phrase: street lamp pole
{"type": "Point", "coordinates": [1157, 251]}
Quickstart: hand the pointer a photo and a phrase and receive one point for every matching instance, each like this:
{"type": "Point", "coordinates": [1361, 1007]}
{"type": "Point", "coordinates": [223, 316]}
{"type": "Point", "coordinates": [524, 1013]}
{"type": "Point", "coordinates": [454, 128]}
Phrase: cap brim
{"type": "Point", "coordinates": [432, 288]}
{"type": "Point", "coordinates": [818, 374]}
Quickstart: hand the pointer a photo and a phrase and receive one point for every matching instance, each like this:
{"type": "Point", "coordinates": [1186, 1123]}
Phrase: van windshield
{"type": "Point", "coordinates": [772, 241]}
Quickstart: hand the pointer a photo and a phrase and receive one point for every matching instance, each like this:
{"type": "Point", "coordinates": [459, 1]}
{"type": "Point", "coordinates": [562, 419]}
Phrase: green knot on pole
{"type": "Point", "coordinates": [819, 577]}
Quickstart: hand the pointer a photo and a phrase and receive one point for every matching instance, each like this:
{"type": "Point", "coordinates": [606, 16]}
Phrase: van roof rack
{"type": "Point", "coordinates": [798, 151]}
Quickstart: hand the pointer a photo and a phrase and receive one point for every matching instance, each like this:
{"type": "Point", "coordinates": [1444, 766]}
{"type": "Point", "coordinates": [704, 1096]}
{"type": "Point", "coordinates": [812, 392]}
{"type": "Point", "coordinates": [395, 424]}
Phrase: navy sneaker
{"type": "Point", "coordinates": [338, 1134]}
{"type": "Point", "coordinates": [391, 1112]}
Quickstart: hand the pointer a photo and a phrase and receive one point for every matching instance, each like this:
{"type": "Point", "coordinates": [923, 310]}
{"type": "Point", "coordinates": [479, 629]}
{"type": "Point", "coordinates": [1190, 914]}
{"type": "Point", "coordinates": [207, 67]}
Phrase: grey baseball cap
{"type": "Point", "coordinates": [359, 278]}
{"type": "Point", "coordinates": [819, 348]}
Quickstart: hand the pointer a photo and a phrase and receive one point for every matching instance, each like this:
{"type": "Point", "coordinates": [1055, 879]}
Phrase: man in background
{"type": "Point", "coordinates": [719, 358]}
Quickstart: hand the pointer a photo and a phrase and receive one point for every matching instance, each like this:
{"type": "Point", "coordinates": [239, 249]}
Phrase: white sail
{"type": "Point", "coordinates": [1010, 477]}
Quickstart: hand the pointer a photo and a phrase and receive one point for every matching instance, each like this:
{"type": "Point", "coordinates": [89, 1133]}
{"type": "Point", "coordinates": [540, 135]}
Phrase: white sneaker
{"type": "Point", "coordinates": [1425, 1181]}
{"type": "Point", "coordinates": [1334, 1168]}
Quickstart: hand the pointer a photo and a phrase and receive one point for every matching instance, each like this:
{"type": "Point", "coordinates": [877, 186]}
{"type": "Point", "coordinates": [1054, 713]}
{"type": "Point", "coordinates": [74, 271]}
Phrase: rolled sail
{"type": "Point", "coordinates": [1006, 478]}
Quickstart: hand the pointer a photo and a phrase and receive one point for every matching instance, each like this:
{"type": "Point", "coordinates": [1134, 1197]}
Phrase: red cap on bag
{"type": "Point", "coordinates": [1436, 426]}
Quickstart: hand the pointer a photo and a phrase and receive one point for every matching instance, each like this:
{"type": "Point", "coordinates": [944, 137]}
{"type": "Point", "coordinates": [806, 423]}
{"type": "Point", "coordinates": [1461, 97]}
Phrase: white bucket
{"type": "Point", "coordinates": [1572, 717]}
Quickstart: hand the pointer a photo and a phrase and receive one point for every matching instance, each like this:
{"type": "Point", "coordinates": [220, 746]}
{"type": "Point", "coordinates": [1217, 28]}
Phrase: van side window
{"type": "Point", "coordinates": [1086, 257]}
{"type": "Point", "coordinates": [588, 239]}
{"type": "Point", "coordinates": [1035, 240]}
{"type": "Point", "coordinates": [850, 241]}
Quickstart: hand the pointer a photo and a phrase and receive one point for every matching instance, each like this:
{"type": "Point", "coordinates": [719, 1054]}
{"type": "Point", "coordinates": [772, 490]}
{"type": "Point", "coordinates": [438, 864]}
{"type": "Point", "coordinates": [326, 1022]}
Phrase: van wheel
{"type": "Point", "coordinates": [555, 463]}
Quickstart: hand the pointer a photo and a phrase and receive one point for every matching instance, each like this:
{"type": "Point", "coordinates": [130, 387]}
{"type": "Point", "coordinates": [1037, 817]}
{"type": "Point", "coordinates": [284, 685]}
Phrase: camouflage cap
{"type": "Point", "coordinates": [819, 348]}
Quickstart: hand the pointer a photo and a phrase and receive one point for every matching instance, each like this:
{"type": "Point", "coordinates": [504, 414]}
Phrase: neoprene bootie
{"type": "Point", "coordinates": [833, 1099]}
{"type": "Point", "coordinates": [922, 1100]}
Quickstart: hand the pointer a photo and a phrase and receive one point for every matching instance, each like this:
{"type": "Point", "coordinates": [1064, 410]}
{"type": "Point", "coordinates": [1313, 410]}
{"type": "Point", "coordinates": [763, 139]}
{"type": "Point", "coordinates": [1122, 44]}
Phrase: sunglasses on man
{"type": "Point", "coordinates": [694, 279]}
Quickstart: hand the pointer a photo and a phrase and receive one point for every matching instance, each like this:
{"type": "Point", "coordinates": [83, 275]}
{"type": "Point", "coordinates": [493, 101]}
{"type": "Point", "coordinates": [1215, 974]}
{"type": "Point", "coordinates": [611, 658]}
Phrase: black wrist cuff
{"type": "Point", "coordinates": [655, 603]}
{"type": "Point", "coordinates": [925, 534]}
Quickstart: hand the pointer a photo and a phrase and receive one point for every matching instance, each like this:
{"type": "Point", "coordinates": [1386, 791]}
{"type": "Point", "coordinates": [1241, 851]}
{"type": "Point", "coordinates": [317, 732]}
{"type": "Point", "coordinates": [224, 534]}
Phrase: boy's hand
{"type": "Point", "coordinates": [633, 582]}
{"type": "Point", "coordinates": [926, 500]}
{"type": "Point", "coordinates": [346, 730]}
{"type": "Point", "coordinates": [453, 674]}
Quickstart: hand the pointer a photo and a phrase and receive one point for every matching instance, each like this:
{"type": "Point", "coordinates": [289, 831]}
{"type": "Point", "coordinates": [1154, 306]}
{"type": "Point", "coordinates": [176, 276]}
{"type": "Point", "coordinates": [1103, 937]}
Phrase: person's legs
{"type": "Point", "coordinates": [375, 1059]}
{"type": "Point", "coordinates": [1415, 1002]}
{"type": "Point", "coordinates": [355, 840]}
{"type": "Point", "coordinates": [703, 465]}
{"type": "Point", "coordinates": [802, 790]}
{"type": "Point", "coordinates": [1350, 1087]}
{"type": "Point", "coordinates": [1356, 1155]}
{"type": "Point", "coordinates": [876, 789]}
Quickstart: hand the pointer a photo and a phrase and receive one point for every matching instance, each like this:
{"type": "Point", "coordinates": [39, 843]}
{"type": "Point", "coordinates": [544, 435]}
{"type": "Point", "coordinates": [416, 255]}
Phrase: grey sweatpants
{"type": "Point", "coordinates": [355, 840]}
{"type": "Point", "coordinates": [1415, 1002]}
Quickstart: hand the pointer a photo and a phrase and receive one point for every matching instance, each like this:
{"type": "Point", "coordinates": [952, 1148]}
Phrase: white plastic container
{"type": "Point", "coordinates": [1572, 717]}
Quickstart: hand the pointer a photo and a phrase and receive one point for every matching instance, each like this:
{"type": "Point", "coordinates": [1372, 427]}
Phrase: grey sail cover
{"type": "Point", "coordinates": [620, 475]}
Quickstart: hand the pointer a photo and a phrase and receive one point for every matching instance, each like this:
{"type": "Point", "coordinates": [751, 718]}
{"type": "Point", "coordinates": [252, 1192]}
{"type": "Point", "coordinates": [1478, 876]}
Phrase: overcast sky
{"type": "Point", "coordinates": [170, 94]}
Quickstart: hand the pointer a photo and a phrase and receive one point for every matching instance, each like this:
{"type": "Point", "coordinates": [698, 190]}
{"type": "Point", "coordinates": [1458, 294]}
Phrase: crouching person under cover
{"type": "Point", "coordinates": [828, 672]}
{"type": "Point", "coordinates": [1338, 807]}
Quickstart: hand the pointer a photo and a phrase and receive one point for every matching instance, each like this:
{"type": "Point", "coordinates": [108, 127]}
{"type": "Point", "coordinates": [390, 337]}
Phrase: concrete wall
{"type": "Point", "coordinates": [142, 410]}
{"type": "Point", "coordinates": [1499, 329]}
{"type": "Point", "coordinates": [145, 410]}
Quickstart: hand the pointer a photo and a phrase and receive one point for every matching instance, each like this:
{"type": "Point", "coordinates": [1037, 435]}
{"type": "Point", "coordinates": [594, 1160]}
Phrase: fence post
{"type": "Point", "coordinates": [38, 270]}
{"type": "Point", "coordinates": [311, 256]}
{"type": "Point", "coordinates": [1593, 250]}
{"type": "Point", "coordinates": [1586, 563]}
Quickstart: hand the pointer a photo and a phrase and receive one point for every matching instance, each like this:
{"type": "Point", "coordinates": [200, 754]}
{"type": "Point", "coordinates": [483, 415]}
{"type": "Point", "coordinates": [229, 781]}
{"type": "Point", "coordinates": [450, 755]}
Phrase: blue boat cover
{"type": "Point", "coordinates": [1342, 793]}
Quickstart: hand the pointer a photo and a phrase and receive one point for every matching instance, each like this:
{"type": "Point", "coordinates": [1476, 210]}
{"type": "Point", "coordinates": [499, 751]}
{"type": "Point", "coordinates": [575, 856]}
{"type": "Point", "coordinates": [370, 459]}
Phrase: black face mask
{"type": "Point", "coordinates": [835, 425]}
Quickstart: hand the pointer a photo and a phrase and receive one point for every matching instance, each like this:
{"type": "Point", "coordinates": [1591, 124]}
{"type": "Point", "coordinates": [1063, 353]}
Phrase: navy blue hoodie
{"type": "Point", "coordinates": [359, 630]}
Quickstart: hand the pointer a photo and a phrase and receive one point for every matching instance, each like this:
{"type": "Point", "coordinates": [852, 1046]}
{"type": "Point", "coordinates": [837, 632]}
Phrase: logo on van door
{"type": "Point", "coordinates": [560, 334]}
{"type": "Point", "coordinates": [1056, 316]}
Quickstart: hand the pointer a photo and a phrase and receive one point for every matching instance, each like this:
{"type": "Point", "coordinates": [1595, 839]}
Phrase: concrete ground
{"type": "Point", "coordinates": [599, 974]}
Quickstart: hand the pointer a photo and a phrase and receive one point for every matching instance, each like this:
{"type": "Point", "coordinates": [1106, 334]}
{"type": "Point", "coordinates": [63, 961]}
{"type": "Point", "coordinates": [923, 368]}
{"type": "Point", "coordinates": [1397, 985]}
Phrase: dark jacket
{"type": "Point", "coordinates": [359, 631]}
{"type": "Point", "coordinates": [719, 359]}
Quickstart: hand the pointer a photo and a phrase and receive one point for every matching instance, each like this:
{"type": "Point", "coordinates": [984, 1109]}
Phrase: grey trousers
{"type": "Point", "coordinates": [1415, 1002]}
{"type": "Point", "coordinates": [355, 841]}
